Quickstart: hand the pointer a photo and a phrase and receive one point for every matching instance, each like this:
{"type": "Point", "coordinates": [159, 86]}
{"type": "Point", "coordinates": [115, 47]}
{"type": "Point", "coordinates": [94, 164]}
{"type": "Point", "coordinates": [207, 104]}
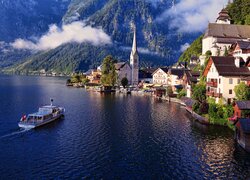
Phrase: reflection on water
{"type": "Point", "coordinates": [110, 136]}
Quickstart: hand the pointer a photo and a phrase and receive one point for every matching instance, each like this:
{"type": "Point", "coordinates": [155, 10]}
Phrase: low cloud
{"type": "Point", "coordinates": [76, 32]}
{"type": "Point", "coordinates": [184, 47]}
{"type": "Point", "coordinates": [191, 15]}
{"type": "Point", "coordinates": [141, 50]}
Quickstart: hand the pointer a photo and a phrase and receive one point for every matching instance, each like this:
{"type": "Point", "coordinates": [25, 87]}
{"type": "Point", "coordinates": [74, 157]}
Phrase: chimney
{"type": "Point", "coordinates": [237, 61]}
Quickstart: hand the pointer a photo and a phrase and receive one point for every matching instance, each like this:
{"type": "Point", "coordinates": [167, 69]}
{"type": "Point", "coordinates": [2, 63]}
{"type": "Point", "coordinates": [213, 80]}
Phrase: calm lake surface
{"type": "Point", "coordinates": [110, 137]}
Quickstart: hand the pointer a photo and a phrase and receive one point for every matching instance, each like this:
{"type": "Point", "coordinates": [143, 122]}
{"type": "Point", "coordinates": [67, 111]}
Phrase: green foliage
{"type": "Point", "coordinates": [199, 92]}
{"type": "Point", "coordinates": [239, 11]}
{"type": "Point", "coordinates": [242, 91]}
{"type": "Point", "coordinates": [124, 82]}
{"type": "Point", "coordinates": [196, 106]}
{"type": "Point", "coordinates": [109, 75]}
{"type": "Point", "coordinates": [247, 20]}
{"type": "Point", "coordinates": [219, 114]}
{"type": "Point", "coordinates": [182, 93]}
{"type": "Point", "coordinates": [75, 78]}
{"type": "Point", "coordinates": [245, 113]}
{"type": "Point", "coordinates": [195, 49]}
{"type": "Point", "coordinates": [203, 108]}
{"type": "Point", "coordinates": [85, 80]}
{"type": "Point", "coordinates": [208, 53]}
{"type": "Point", "coordinates": [169, 90]}
{"type": "Point", "coordinates": [226, 52]}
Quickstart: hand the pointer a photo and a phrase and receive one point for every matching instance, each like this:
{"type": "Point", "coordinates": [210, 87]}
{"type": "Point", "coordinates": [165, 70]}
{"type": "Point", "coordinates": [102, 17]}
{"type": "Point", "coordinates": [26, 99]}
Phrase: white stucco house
{"type": "Point", "coordinates": [223, 74]}
{"type": "Point", "coordinates": [160, 76]}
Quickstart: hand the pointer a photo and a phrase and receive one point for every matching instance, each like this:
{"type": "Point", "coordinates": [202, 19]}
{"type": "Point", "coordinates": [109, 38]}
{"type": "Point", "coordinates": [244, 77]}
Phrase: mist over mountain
{"type": "Point", "coordinates": [71, 43]}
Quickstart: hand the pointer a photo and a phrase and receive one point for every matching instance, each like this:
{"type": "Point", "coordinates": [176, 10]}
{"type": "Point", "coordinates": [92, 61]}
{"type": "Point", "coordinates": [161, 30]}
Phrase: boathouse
{"type": "Point", "coordinates": [242, 132]}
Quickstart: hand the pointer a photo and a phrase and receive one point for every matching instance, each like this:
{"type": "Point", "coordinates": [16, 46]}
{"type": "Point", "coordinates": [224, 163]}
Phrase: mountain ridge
{"type": "Point", "coordinates": [161, 46]}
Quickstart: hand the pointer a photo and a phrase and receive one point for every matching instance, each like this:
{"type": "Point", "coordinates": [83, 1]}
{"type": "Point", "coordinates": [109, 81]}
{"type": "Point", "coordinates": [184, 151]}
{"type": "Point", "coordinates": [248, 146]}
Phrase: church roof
{"type": "Point", "coordinates": [120, 65]}
{"type": "Point", "coordinates": [228, 31]}
{"type": "Point", "coordinates": [223, 15]}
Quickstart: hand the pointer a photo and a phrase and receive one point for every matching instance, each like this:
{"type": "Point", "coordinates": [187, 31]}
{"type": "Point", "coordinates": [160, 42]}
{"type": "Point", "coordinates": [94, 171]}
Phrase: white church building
{"type": "Point", "coordinates": [130, 69]}
{"type": "Point", "coordinates": [220, 35]}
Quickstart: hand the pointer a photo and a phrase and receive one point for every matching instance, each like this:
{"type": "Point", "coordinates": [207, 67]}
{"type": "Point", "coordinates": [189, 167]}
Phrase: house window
{"type": "Point", "coordinates": [238, 81]}
{"type": "Point", "coordinates": [230, 91]}
{"type": "Point", "coordinates": [230, 81]}
{"type": "Point", "coordinates": [219, 81]}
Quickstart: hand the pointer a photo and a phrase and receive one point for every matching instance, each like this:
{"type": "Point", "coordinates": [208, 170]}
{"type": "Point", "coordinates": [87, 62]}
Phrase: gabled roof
{"type": "Point", "coordinates": [244, 45]}
{"type": "Point", "coordinates": [192, 76]}
{"type": "Point", "coordinates": [226, 66]}
{"type": "Point", "coordinates": [228, 31]}
{"type": "Point", "coordinates": [177, 72]}
{"type": "Point", "coordinates": [146, 73]}
{"type": "Point", "coordinates": [120, 65]}
{"type": "Point", "coordinates": [165, 69]}
{"type": "Point", "coordinates": [243, 105]}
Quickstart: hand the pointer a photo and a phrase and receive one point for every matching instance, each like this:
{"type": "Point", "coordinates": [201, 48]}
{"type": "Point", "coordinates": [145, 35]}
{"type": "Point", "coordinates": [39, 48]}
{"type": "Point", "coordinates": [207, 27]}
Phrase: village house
{"type": "Point", "coordinates": [242, 124]}
{"type": "Point", "coordinates": [223, 74]}
{"type": "Point", "coordinates": [241, 49]}
{"type": "Point", "coordinates": [239, 107]}
{"type": "Point", "coordinates": [175, 78]}
{"type": "Point", "coordinates": [160, 76]}
{"type": "Point", "coordinates": [146, 75]}
{"type": "Point", "coordinates": [94, 76]}
{"type": "Point", "coordinates": [221, 35]}
{"type": "Point", "coordinates": [190, 78]}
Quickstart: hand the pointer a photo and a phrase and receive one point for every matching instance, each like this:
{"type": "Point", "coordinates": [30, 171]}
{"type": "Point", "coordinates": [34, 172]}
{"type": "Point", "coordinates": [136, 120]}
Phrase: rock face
{"type": "Point", "coordinates": [158, 45]}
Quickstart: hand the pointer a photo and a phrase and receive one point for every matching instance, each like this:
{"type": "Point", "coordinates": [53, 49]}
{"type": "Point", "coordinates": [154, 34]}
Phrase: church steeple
{"type": "Point", "coordinates": [134, 47]}
{"type": "Point", "coordinates": [134, 61]}
{"type": "Point", "coordinates": [224, 17]}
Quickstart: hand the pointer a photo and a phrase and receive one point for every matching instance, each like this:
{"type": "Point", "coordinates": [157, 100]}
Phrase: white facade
{"type": "Point", "coordinates": [208, 43]}
{"type": "Point", "coordinates": [160, 77]}
{"type": "Point", "coordinates": [222, 87]}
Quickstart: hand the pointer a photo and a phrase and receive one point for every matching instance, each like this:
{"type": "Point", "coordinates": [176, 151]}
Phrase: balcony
{"type": "Point", "coordinates": [217, 95]}
{"type": "Point", "coordinates": [213, 94]}
{"type": "Point", "coordinates": [210, 93]}
{"type": "Point", "coordinates": [212, 84]}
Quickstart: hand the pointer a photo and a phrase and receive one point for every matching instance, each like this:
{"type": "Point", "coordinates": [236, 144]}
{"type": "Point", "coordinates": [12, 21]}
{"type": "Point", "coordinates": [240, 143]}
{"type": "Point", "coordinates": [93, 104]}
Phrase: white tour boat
{"type": "Point", "coordinates": [45, 114]}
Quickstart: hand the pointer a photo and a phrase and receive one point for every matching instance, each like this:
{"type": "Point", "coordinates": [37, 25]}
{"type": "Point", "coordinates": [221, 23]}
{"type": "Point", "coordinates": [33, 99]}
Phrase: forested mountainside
{"type": "Point", "coordinates": [158, 44]}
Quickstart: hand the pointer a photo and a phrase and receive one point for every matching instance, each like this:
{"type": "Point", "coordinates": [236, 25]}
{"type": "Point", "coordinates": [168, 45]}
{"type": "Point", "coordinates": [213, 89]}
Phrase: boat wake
{"type": "Point", "coordinates": [20, 131]}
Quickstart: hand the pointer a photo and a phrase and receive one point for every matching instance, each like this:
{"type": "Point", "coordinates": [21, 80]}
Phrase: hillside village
{"type": "Point", "coordinates": [212, 85]}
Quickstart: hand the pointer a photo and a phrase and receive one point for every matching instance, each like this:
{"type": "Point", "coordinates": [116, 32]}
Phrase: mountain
{"type": "Point", "coordinates": [27, 18]}
{"type": "Point", "coordinates": [158, 44]}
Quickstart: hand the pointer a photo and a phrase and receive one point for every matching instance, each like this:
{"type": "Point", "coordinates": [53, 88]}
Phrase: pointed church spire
{"type": "Point", "coordinates": [134, 47]}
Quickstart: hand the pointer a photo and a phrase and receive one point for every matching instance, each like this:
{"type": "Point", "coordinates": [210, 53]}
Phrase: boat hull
{"type": "Point", "coordinates": [31, 125]}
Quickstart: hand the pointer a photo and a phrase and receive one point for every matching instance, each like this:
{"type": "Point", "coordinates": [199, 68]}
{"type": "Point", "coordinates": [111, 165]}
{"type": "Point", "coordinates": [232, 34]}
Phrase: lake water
{"type": "Point", "coordinates": [110, 137]}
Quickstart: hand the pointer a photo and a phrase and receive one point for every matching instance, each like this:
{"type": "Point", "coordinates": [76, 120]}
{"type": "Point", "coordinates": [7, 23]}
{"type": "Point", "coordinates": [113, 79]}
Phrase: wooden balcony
{"type": "Point", "coordinates": [218, 95]}
{"type": "Point", "coordinates": [212, 84]}
{"type": "Point", "coordinates": [210, 94]}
